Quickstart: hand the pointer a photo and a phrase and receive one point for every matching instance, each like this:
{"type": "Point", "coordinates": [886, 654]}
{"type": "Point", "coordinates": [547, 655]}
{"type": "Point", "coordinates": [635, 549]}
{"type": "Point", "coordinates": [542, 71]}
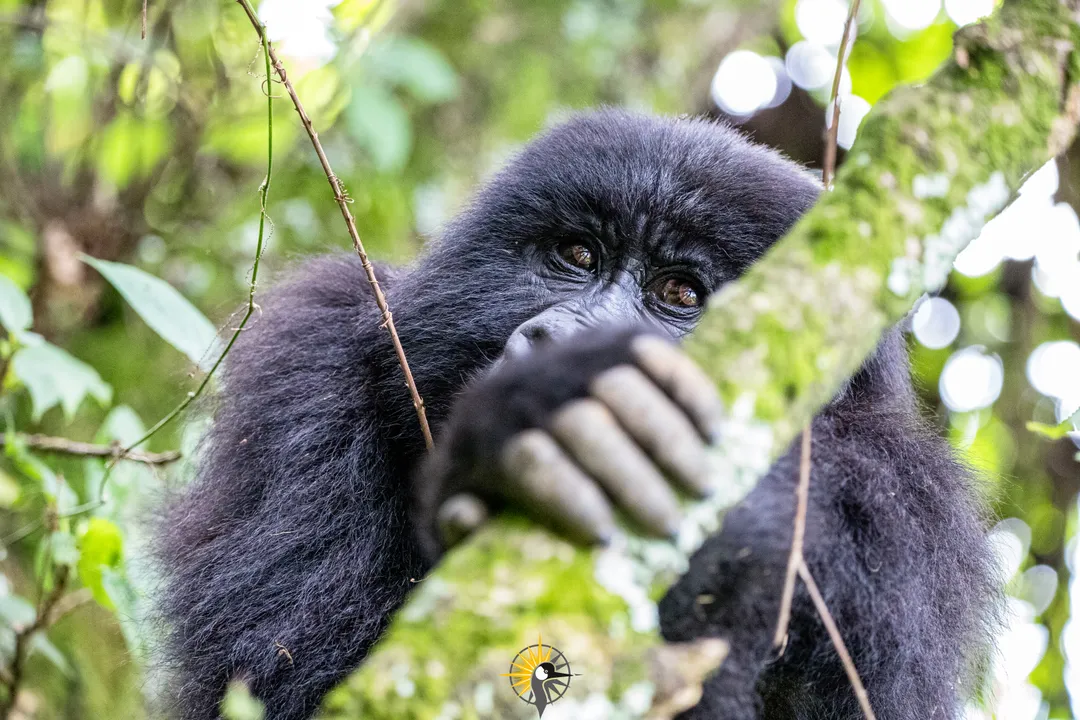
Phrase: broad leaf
{"type": "Point", "coordinates": [54, 377]}
{"type": "Point", "coordinates": [416, 66]}
{"type": "Point", "coordinates": [165, 310]}
{"type": "Point", "coordinates": [43, 646]}
{"type": "Point", "coordinates": [377, 120]}
{"type": "Point", "coordinates": [102, 548]}
{"type": "Point", "coordinates": [15, 312]}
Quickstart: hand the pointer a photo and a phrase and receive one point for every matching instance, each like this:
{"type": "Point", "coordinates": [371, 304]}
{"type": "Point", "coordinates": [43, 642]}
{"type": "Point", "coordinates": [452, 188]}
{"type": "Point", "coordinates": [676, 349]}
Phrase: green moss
{"type": "Point", "coordinates": [778, 343]}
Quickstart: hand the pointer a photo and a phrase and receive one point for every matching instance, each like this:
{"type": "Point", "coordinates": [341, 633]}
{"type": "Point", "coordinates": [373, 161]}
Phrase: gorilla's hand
{"type": "Point", "coordinates": [566, 432]}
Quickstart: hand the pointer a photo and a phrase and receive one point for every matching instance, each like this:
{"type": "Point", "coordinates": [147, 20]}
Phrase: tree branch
{"type": "Point", "coordinates": [116, 451]}
{"type": "Point", "coordinates": [851, 269]}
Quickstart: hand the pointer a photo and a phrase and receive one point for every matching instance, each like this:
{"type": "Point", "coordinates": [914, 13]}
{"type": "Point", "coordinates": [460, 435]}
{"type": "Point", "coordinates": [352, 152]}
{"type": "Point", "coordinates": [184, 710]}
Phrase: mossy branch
{"type": "Point", "coordinates": [931, 166]}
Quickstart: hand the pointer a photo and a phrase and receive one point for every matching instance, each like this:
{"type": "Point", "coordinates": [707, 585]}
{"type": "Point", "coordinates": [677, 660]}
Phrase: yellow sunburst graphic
{"type": "Point", "coordinates": [521, 669]}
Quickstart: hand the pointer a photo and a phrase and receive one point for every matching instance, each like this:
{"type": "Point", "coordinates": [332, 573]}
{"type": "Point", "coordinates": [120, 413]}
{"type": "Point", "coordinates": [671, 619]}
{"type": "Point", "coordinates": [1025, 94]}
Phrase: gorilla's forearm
{"type": "Point", "coordinates": [291, 547]}
{"type": "Point", "coordinates": [897, 546]}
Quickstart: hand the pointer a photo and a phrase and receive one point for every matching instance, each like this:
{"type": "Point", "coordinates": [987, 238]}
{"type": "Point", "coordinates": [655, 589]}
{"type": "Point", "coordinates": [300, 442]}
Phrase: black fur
{"type": "Point", "coordinates": [287, 554]}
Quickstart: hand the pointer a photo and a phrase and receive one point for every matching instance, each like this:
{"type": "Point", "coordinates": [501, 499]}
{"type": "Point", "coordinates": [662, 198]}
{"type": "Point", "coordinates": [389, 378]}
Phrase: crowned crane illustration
{"type": "Point", "coordinates": [540, 675]}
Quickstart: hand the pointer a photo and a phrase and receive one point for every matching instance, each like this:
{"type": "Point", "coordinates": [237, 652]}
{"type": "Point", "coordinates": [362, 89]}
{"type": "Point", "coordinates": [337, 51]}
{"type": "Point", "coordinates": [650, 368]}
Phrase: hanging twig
{"type": "Point", "coordinates": [802, 495]}
{"type": "Point", "coordinates": [837, 641]}
{"type": "Point", "coordinates": [829, 167]}
{"type": "Point", "coordinates": [796, 561]}
{"type": "Point", "coordinates": [251, 306]}
{"type": "Point", "coordinates": [144, 3]}
{"type": "Point", "coordinates": [64, 446]}
{"type": "Point", "coordinates": [342, 199]}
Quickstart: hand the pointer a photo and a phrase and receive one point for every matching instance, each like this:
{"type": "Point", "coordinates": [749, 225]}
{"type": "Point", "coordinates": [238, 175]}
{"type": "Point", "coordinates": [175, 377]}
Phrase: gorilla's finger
{"type": "Point", "coordinates": [599, 444]}
{"type": "Point", "coordinates": [659, 425]}
{"type": "Point", "coordinates": [683, 380]}
{"type": "Point", "coordinates": [460, 516]}
{"type": "Point", "coordinates": [552, 485]}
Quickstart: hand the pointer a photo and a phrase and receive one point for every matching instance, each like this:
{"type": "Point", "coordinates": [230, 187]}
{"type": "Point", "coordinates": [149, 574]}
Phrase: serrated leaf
{"type": "Point", "coordinates": [55, 377]}
{"type": "Point", "coordinates": [102, 549]}
{"type": "Point", "coordinates": [165, 310]}
{"type": "Point", "coordinates": [378, 121]}
{"type": "Point", "coordinates": [417, 66]}
{"type": "Point", "coordinates": [16, 313]}
{"type": "Point", "coordinates": [17, 612]}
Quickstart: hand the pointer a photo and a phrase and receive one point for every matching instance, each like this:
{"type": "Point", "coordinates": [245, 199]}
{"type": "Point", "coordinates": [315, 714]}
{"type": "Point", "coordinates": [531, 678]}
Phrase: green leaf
{"type": "Point", "coordinates": [102, 548]}
{"type": "Point", "coordinates": [378, 121]}
{"type": "Point", "coordinates": [240, 704]}
{"type": "Point", "coordinates": [1068, 426]}
{"type": "Point", "coordinates": [43, 646]}
{"type": "Point", "coordinates": [16, 314]}
{"type": "Point", "coordinates": [165, 310]}
{"type": "Point", "coordinates": [54, 377]}
{"type": "Point", "coordinates": [417, 66]}
{"type": "Point", "coordinates": [131, 147]}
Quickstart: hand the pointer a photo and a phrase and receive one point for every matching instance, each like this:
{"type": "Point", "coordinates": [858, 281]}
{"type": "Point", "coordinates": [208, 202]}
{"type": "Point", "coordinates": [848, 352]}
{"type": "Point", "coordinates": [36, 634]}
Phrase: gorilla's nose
{"type": "Point", "coordinates": [527, 337]}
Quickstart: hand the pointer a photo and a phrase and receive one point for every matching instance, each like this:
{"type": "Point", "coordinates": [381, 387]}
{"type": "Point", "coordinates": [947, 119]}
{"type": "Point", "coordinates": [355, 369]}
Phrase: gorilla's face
{"type": "Point", "coordinates": [617, 219]}
{"type": "Point", "coordinates": [593, 281]}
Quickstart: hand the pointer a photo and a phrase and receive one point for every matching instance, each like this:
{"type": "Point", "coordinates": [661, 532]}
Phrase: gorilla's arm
{"type": "Point", "coordinates": [292, 545]}
{"type": "Point", "coordinates": [896, 545]}
{"type": "Point", "coordinates": [894, 539]}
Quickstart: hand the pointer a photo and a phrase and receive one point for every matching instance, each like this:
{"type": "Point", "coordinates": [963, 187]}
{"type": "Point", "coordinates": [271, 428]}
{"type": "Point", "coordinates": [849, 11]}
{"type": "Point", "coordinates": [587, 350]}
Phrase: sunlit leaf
{"type": "Point", "coordinates": [131, 147]}
{"type": "Point", "coordinates": [240, 704]}
{"type": "Point", "coordinates": [416, 66]}
{"type": "Point", "coordinates": [102, 547]}
{"type": "Point", "coordinates": [1069, 426]}
{"type": "Point", "coordinates": [9, 490]}
{"type": "Point", "coordinates": [55, 377]}
{"type": "Point", "coordinates": [378, 121]}
{"type": "Point", "coordinates": [16, 314]}
{"type": "Point", "coordinates": [165, 310]}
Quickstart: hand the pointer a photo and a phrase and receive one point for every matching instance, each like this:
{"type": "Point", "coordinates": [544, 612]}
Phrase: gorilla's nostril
{"type": "Point", "coordinates": [537, 333]}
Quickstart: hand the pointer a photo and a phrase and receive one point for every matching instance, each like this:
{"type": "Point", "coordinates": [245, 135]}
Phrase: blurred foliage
{"type": "Point", "coordinates": [129, 172]}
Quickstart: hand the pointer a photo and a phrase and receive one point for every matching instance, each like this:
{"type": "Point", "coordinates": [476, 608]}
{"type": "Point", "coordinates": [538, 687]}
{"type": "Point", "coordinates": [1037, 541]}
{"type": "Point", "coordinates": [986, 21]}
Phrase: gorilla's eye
{"type": "Point", "coordinates": [679, 293]}
{"type": "Point", "coordinates": [578, 255]}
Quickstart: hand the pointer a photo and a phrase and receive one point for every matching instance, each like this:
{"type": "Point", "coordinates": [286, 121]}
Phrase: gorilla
{"type": "Point", "coordinates": [557, 295]}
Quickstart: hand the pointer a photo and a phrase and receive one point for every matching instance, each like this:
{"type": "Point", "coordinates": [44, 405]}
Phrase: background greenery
{"type": "Point", "coordinates": [150, 153]}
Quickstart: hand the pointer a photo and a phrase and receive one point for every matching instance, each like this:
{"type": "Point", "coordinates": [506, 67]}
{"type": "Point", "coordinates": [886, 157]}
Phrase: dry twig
{"type": "Point", "coordinates": [837, 641]}
{"type": "Point", "coordinates": [796, 561]}
{"type": "Point", "coordinates": [116, 451]}
{"type": "Point", "coordinates": [802, 494]}
{"type": "Point", "coordinates": [829, 168]}
{"type": "Point", "coordinates": [342, 199]}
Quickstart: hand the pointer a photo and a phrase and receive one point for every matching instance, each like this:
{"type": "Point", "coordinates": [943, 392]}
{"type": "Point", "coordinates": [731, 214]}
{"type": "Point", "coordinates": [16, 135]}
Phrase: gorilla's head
{"type": "Point", "coordinates": [608, 219]}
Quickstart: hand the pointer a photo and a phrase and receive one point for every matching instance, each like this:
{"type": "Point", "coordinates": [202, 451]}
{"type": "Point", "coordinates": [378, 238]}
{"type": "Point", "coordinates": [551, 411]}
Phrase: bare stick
{"type": "Point", "coordinates": [144, 3]}
{"type": "Point", "coordinates": [342, 199]}
{"type": "Point", "coordinates": [837, 641]}
{"type": "Point", "coordinates": [829, 168]}
{"type": "Point", "coordinates": [64, 446]}
{"type": "Point", "coordinates": [802, 495]}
